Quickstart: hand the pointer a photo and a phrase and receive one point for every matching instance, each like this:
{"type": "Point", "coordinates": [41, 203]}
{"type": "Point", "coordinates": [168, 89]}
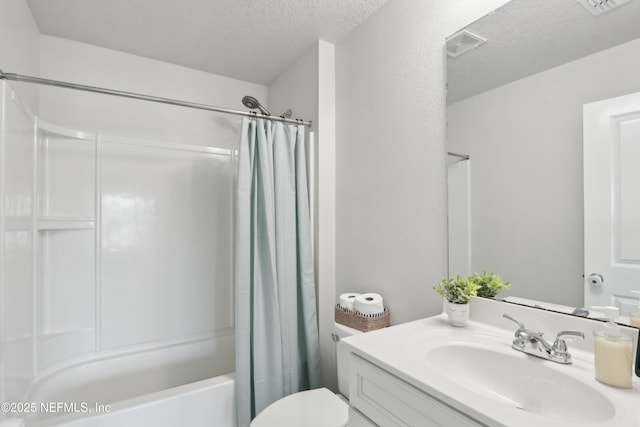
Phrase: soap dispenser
{"type": "Point", "coordinates": [612, 352]}
{"type": "Point", "coordinates": [634, 317]}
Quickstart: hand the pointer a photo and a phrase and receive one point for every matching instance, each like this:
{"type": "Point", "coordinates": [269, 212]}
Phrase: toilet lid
{"type": "Point", "coordinates": [313, 408]}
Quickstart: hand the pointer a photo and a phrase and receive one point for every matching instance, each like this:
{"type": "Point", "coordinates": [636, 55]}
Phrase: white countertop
{"type": "Point", "coordinates": [401, 350]}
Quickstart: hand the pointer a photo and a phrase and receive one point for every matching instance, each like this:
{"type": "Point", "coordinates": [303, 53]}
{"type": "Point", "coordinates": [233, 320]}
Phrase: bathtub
{"type": "Point", "coordinates": [190, 383]}
{"type": "Point", "coordinates": [204, 403]}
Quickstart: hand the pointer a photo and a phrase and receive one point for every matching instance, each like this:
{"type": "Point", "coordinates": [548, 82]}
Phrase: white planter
{"type": "Point", "coordinates": [458, 313]}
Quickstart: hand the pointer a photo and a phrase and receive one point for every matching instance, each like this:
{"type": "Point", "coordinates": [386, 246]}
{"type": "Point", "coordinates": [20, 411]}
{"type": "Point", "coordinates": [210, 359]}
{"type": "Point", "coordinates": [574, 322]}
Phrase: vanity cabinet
{"type": "Point", "coordinates": [378, 397]}
{"type": "Point", "coordinates": [357, 419]}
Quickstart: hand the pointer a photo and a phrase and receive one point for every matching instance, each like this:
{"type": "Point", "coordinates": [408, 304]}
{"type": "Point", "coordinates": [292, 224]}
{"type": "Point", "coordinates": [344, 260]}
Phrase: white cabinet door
{"type": "Point", "coordinates": [612, 201]}
{"type": "Point", "coordinates": [356, 419]}
{"type": "Point", "coordinates": [388, 401]}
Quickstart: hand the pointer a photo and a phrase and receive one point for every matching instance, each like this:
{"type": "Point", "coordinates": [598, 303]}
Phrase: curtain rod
{"type": "Point", "coordinates": [462, 156]}
{"type": "Point", "coordinates": [37, 80]}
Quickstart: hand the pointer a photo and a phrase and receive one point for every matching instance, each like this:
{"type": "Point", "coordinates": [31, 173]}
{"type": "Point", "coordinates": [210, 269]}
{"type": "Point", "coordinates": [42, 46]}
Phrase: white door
{"type": "Point", "coordinates": [612, 202]}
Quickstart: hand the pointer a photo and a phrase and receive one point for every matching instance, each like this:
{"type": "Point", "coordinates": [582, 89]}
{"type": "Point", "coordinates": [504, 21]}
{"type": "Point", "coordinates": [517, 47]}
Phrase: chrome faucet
{"type": "Point", "coordinates": [530, 342]}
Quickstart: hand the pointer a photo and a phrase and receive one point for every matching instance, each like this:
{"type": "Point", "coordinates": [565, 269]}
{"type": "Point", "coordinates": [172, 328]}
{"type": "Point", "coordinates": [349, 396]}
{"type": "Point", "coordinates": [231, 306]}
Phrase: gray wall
{"type": "Point", "coordinates": [391, 214]}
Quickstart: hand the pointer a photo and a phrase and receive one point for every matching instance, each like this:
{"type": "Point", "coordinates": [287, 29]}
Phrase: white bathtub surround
{"type": "Point", "coordinates": [109, 248]}
{"type": "Point", "coordinates": [275, 286]}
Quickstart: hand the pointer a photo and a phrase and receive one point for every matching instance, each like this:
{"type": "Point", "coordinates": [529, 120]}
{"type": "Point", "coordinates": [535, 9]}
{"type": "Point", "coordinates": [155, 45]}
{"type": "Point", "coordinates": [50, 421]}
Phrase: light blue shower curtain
{"type": "Point", "coordinates": [277, 350]}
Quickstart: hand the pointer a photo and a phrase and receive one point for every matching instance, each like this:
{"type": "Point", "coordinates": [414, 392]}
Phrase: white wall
{"type": "Point", "coordinates": [19, 46]}
{"type": "Point", "coordinates": [326, 208]}
{"type": "Point", "coordinates": [19, 53]}
{"type": "Point", "coordinates": [525, 142]}
{"type": "Point", "coordinates": [390, 162]}
{"type": "Point", "coordinates": [71, 61]}
{"type": "Point", "coordinates": [17, 331]}
{"type": "Point", "coordinates": [297, 88]}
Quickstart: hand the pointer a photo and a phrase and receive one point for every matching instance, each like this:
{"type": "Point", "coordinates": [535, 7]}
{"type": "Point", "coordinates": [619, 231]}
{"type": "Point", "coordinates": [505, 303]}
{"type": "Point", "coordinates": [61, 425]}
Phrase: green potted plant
{"type": "Point", "coordinates": [457, 293]}
{"type": "Point", "coordinates": [489, 284]}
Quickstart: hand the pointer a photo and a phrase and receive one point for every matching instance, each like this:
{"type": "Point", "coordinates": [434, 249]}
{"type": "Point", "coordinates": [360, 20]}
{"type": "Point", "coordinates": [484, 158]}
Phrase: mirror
{"type": "Point", "coordinates": [514, 106]}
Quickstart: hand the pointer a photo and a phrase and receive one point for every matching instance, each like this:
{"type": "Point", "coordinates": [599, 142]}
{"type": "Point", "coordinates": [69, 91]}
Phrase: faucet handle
{"type": "Point", "coordinates": [559, 349]}
{"type": "Point", "coordinates": [516, 321]}
{"type": "Point", "coordinates": [521, 336]}
{"type": "Point", "coordinates": [560, 346]}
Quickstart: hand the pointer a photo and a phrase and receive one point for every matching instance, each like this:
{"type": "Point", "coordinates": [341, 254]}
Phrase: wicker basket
{"type": "Point", "coordinates": [361, 322]}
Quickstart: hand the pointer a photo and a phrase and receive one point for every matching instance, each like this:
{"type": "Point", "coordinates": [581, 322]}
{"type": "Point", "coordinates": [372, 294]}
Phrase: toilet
{"type": "Point", "coordinates": [314, 408]}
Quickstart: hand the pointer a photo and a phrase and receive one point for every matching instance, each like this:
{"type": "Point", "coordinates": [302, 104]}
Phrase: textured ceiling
{"type": "Point", "coordinates": [245, 39]}
{"type": "Point", "coordinates": [525, 37]}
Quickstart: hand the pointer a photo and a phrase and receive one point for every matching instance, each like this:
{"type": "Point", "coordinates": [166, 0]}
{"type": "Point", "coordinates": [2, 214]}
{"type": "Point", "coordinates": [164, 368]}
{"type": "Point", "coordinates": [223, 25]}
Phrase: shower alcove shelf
{"type": "Point", "coordinates": [66, 175]}
{"type": "Point", "coordinates": [106, 241]}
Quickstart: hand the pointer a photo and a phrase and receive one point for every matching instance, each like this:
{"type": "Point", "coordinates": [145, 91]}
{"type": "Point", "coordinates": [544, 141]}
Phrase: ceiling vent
{"type": "Point", "coordinates": [598, 7]}
{"type": "Point", "coordinates": [463, 42]}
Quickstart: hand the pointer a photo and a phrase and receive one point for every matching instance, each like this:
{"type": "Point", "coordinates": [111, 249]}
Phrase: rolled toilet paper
{"type": "Point", "coordinates": [369, 303]}
{"type": "Point", "coordinates": [347, 300]}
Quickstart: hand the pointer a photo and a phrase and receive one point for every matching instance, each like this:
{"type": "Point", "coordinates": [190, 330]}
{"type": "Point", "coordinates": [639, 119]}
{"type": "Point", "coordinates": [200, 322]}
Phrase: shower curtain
{"type": "Point", "coordinates": [277, 350]}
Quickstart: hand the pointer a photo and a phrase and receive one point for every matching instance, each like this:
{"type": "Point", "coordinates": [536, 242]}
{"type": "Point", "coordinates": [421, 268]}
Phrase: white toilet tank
{"type": "Point", "coordinates": [342, 356]}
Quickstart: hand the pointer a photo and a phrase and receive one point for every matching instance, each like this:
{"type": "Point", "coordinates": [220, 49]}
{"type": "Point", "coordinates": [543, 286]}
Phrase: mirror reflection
{"type": "Point", "coordinates": [515, 107]}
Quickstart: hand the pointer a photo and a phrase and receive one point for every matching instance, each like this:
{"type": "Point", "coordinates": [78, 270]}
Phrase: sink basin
{"type": "Point", "coordinates": [520, 381]}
